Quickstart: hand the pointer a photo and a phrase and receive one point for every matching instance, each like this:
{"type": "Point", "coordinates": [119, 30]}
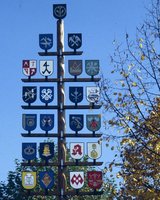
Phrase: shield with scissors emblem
{"type": "Point", "coordinates": [29, 151]}
{"type": "Point", "coordinates": [59, 11]}
{"type": "Point", "coordinates": [46, 179]}
{"type": "Point", "coordinates": [75, 40]}
{"type": "Point", "coordinates": [76, 94]}
{"type": "Point", "coordinates": [94, 150]}
{"type": "Point", "coordinates": [28, 180]}
{"type": "Point", "coordinates": [77, 179]}
{"type": "Point", "coordinates": [77, 150]}
{"type": "Point", "coordinates": [94, 179]}
{"type": "Point", "coordinates": [29, 67]}
{"type": "Point", "coordinates": [93, 94]}
{"type": "Point", "coordinates": [46, 41]}
{"type": "Point", "coordinates": [29, 94]}
{"type": "Point", "coordinates": [46, 151]}
{"type": "Point", "coordinates": [93, 122]}
{"type": "Point", "coordinates": [76, 122]}
{"type": "Point", "coordinates": [46, 94]}
{"type": "Point", "coordinates": [29, 121]}
{"type": "Point", "coordinates": [46, 122]}
{"type": "Point", "coordinates": [92, 67]}
{"type": "Point", "coordinates": [75, 67]}
{"type": "Point", "coordinates": [46, 67]}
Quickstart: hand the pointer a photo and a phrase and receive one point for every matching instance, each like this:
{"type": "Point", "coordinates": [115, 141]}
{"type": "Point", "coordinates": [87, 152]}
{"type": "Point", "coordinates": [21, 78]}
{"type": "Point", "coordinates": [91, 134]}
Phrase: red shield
{"type": "Point", "coordinates": [94, 179]}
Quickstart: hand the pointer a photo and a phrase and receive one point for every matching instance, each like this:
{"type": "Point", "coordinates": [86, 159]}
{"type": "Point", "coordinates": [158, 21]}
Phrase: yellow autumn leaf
{"type": "Point", "coordinates": [142, 57]}
{"type": "Point", "coordinates": [134, 84]}
{"type": "Point", "coordinates": [141, 45]}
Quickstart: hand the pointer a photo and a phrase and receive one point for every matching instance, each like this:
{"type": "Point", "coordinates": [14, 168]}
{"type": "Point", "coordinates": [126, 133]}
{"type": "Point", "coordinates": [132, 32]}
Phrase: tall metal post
{"type": "Point", "coordinates": [61, 111]}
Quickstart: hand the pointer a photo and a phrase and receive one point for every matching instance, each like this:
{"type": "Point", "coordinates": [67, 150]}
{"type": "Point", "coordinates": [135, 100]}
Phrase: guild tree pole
{"type": "Point", "coordinates": [46, 42]}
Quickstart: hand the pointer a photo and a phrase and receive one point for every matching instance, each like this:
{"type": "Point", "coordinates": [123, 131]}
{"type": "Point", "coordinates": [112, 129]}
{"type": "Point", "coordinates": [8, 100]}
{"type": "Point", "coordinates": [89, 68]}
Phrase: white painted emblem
{"type": "Point", "coordinates": [46, 67]}
{"type": "Point", "coordinates": [77, 150]}
{"type": "Point", "coordinates": [94, 150]}
{"type": "Point", "coordinates": [77, 179]}
{"type": "Point", "coordinates": [93, 94]}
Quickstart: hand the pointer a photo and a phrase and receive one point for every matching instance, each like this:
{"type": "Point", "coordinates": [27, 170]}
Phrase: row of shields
{"type": "Point", "coordinates": [46, 150]}
{"type": "Point", "coordinates": [76, 122]}
{"type": "Point", "coordinates": [46, 179]}
{"type": "Point", "coordinates": [46, 94]}
{"type": "Point", "coordinates": [46, 67]}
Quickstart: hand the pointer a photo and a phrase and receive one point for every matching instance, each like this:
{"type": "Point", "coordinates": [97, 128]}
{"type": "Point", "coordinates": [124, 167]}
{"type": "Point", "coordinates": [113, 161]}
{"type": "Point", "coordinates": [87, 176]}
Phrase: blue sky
{"type": "Point", "coordinates": [99, 21]}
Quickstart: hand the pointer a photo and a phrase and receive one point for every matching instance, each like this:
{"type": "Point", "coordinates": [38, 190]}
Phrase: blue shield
{"type": "Point", "coordinates": [46, 122]}
{"type": "Point", "coordinates": [29, 121]}
{"type": "Point", "coordinates": [29, 151]}
{"type": "Point", "coordinates": [29, 94]}
{"type": "Point", "coordinates": [46, 41]}
{"type": "Point", "coordinates": [46, 94]}
{"type": "Point", "coordinates": [59, 11]}
{"type": "Point", "coordinates": [76, 122]}
{"type": "Point", "coordinates": [76, 94]}
{"type": "Point", "coordinates": [46, 150]}
{"type": "Point", "coordinates": [46, 179]}
{"type": "Point", "coordinates": [75, 40]}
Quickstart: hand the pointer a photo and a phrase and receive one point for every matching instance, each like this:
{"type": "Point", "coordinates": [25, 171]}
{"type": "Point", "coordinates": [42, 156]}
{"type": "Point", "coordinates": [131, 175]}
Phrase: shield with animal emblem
{"type": "Point", "coordinates": [46, 67]}
{"type": "Point", "coordinates": [94, 179]}
{"type": "Point", "coordinates": [46, 94]}
{"type": "Point", "coordinates": [75, 40]}
{"type": "Point", "coordinates": [46, 41]}
{"type": "Point", "coordinates": [93, 122]}
{"type": "Point", "coordinates": [46, 179]}
{"type": "Point", "coordinates": [93, 94]}
{"type": "Point", "coordinates": [29, 122]}
{"type": "Point", "coordinates": [76, 122]}
{"type": "Point", "coordinates": [75, 67]}
{"type": "Point", "coordinates": [92, 67]}
{"type": "Point", "coordinates": [77, 179]}
{"type": "Point", "coordinates": [46, 151]}
{"type": "Point", "coordinates": [28, 180]}
{"type": "Point", "coordinates": [29, 151]}
{"type": "Point", "coordinates": [77, 150]}
{"type": "Point", "coordinates": [46, 122]}
{"type": "Point", "coordinates": [29, 67]}
{"type": "Point", "coordinates": [29, 94]}
{"type": "Point", "coordinates": [76, 94]}
{"type": "Point", "coordinates": [94, 150]}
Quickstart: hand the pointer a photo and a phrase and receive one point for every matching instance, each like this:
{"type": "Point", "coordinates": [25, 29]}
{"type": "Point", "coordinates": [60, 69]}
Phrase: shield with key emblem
{"type": "Point", "coordinates": [46, 94]}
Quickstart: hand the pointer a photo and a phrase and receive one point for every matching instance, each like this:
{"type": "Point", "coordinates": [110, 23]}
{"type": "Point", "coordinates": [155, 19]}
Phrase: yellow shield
{"type": "Point", "coordinates": [28, 180]}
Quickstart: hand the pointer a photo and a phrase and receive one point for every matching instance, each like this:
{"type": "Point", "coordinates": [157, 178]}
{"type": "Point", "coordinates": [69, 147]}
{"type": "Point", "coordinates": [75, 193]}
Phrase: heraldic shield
{"type": "Point", "coordinates": [74, 40]}
{"type": "Point", "coordinates": [28, 180]}
{"type": "Point", "coordinates": [46, 122]}
{"type": "Point", "coordinates": [46, 94]}
{"type": "Point", "coordinates": [29, 67]}
{"type": "Point", "coordinates": [77, 179]}
{"type": "Point", "coordinates": [46, 41]}
{"type": "Point", "coordinates": [77, 150]}
{"type": "Point", "coordinates": [94, 179]}
{"type": "Point", "coordinates": [76, 122]}
{"type": "Point", "coordinates": [93, 94]}
{"type": "Point", "coordinates": [75, 67]}
{"type": "Point", "coordinates": [29, 151]}
{"type": "Point", "coordinates": [29, 122]}
{"type": "Point", "coordinates": [92, 67]}
{"type": "Point", "coordinates": [46, 67]}
{"type": "Point", "coordinates": [29, 94]}
{"type": "Point", "coordinates": [94, 150]}
{"type": "Point", "coordinates": [76, 94]}
{"type": "Point", "coordinates": [93, 122]}
{"type": "Point", "coordinates": [46, 179]}
{"type": "Point", "coordinates": [46, 150]}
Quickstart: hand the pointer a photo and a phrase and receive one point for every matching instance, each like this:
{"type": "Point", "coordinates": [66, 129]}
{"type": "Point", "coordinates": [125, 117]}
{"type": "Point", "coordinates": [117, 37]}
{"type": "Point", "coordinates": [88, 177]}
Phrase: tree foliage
{"type": "Point", "coordinates": [134, 101]}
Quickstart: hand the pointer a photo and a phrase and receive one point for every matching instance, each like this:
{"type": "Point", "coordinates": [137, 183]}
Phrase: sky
{"type": "Point", "coordinates": [99, 21]}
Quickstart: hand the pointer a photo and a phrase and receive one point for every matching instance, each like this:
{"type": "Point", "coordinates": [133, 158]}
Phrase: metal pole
{"type": "Point", "coordinates": [61, 111]}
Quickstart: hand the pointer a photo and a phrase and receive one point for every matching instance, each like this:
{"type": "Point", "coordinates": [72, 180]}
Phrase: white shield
{"type": "Point", "coordinates": [77, 179]}
{"type": "Point", "coordinates": [77, 150]}
{"type": "Point", "coordinates": [28, 180]}
{"type": "Point", "coordinates": [93, 94]}
{"type": "Point", "coordinates": [46, 67]}
{"type": "Point", "coordinates": [94, 150]}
